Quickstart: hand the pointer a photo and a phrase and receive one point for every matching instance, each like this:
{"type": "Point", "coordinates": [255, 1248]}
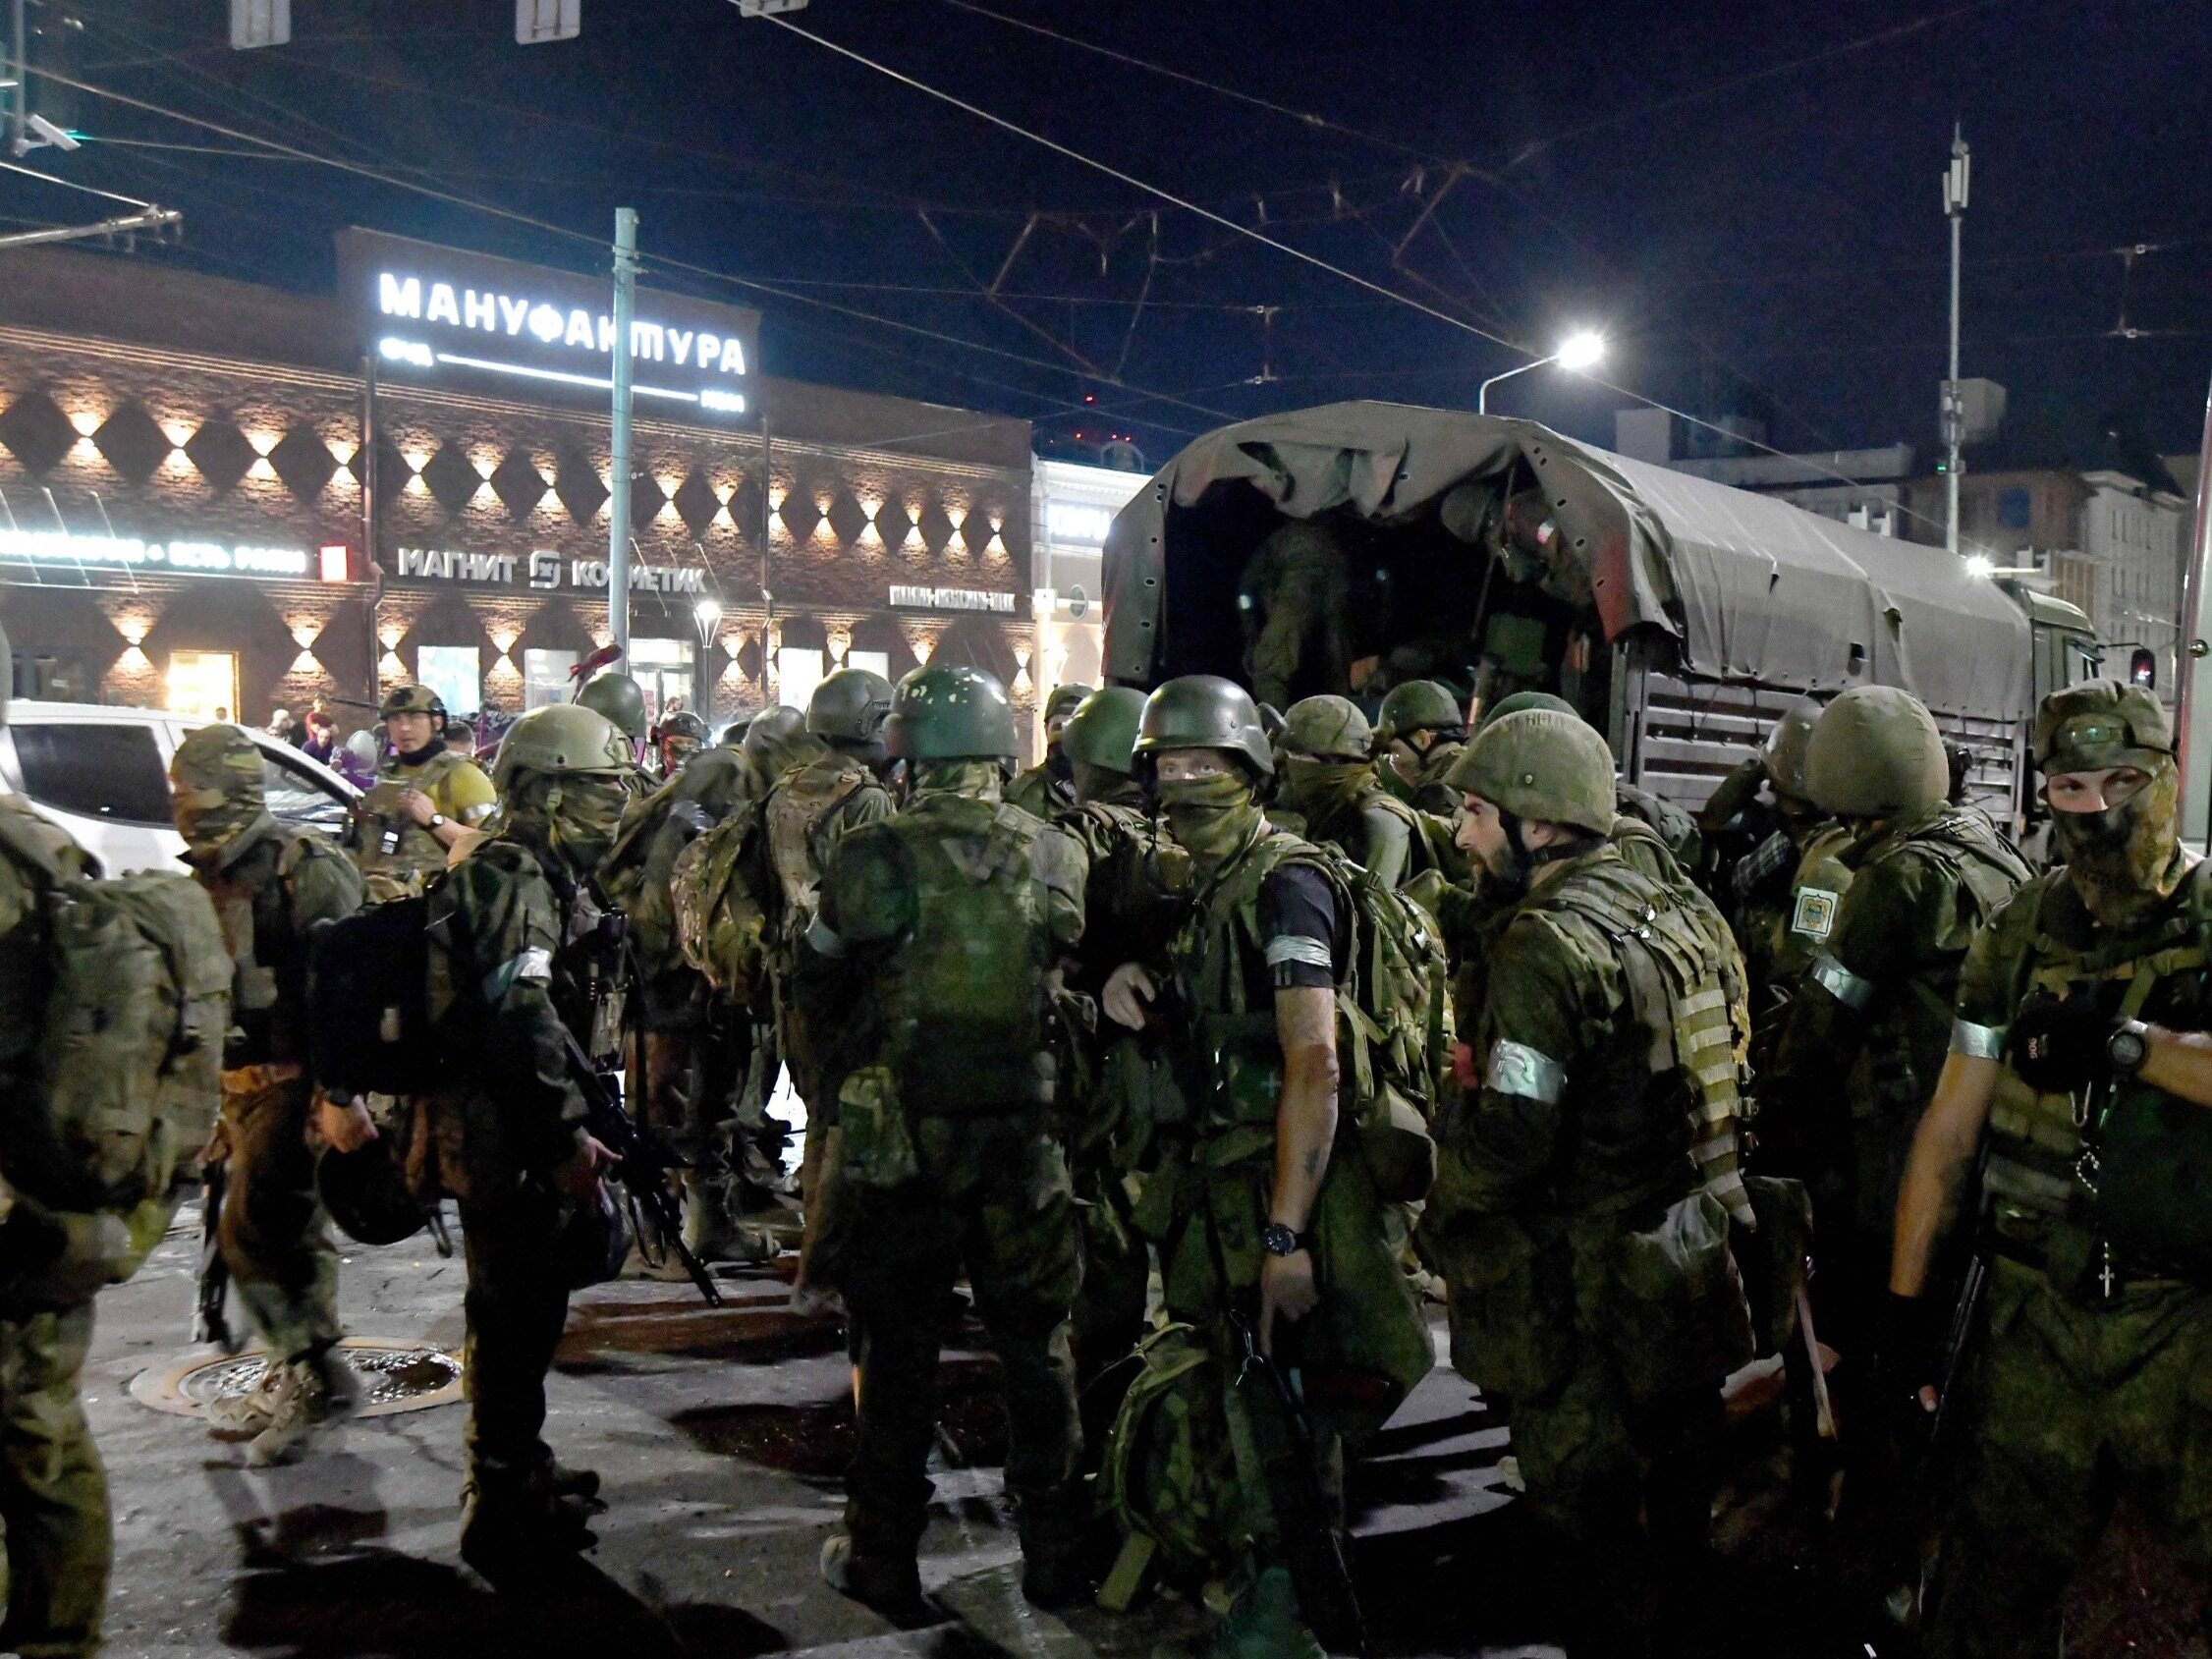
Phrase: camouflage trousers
{"type": "Point", "coordinates": [2073, 1406]}
{"type": "Point", "coordinates": [273, 1234]}
{"type": "Point", "coordinates": [1108, 1310]}
{"type": "Point", "coordinates": [992, 1200]}
{"type": "Point", "coordinates": [60, 1544]}
{"type": "Point", "coordinates": [515, 1306]}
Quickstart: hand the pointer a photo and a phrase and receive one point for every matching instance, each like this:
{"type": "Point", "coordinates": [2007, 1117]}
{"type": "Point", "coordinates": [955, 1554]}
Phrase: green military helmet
{"type": "Point", "coordinates": [683, 724]}
{"type": "Point", "coordinates": [1541, 764]}
{"type": "Point", "coordinates": [1876, 753]}
{"type": "Point", "coordinates": [620, 700]}
{"type": "Point", "coordinates": [1327, 728]}
{"type": "Point", "coordinates": [1205, 711]}
{"type": "Point", "coordinates": [560, 739]}
{"type": "Point", "coordinates": [366, 1193]}
{"type": "Point", "coordinates": [1519, 702]}
{"type": "Point", "coordinates": [953, 713]}
{"type": "Point", "coordinates": [2101, 723]}
{"type": "Point", "coordinates": [1418, 705]}
{"type": "Point", "coordinates": [849, 706]}
{"type": "Point", "coordinates": [413, 699]}
{"type": "Point", "coordinates": [1788, 747]}
{"type": "Point", "coordinates": [1064, 700]}
{"type": "Point", "coordinates": [775, 741]}
{"type": "Point", "coordinates": [1102, 731]}
{"type": "Point", "coordinates": [218, 765]}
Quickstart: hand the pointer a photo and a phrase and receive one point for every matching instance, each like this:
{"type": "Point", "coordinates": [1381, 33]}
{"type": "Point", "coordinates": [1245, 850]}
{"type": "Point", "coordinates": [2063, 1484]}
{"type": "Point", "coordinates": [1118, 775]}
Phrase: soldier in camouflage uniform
{"type": "Point", "coordinates": [936, 948]}
{"type": "Point", "coordinates": [1049, 787]}
{"type": "Point", "coordinates": [1420, 731]}
{"type": "Point", "coordinates": [1132, 908]}
{"type": "Point", "coordinates": [1328, 780]}
{"type": "Point", "coordinates": [1592, 1288]}
{"type": "Point", "coordinates": [2087, 1381]}
{"type": "Point", "coordinates": [1257, 1218]}
{"type": "Point", "coordinates": [425, 801]}
{"type": "Point", "coordinates": [1294, 601]}
{"type": "Point", "coordinates": [517, 963]}
{"type": "Point", "coordinates": [1866, 1034]}
{"type": "Point", "coordinates": [270, 885]}
{"type": "Point", "coordinates": [621, 700]}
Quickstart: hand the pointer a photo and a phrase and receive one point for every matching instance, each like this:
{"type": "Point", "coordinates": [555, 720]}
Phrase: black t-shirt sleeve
{"type": "Point", "coordinates": [1301, 927]}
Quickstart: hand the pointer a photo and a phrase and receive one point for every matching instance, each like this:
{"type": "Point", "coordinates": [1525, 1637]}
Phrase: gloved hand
{"type": "Point", "coordinates": [2059, 1045]}
{"type": "Point", "coordinates": [1907, 1363]}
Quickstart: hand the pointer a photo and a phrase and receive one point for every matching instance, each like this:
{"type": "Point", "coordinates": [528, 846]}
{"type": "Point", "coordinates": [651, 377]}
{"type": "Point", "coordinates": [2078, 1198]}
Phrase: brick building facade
{"type": "Point", "coordinates": [157, 426]}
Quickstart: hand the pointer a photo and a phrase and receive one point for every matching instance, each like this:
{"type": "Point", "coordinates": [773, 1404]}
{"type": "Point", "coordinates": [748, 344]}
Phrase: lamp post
{"type": "Point", "coordinates": [706, 617]}
{"type": "Point", "coordinates": [1580, 351]}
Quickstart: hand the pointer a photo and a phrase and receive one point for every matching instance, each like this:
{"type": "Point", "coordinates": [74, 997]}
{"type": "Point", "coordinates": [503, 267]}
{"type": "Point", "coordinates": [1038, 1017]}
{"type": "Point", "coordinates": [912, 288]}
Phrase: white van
{"type": "Point", "coordinates": [103, 775]}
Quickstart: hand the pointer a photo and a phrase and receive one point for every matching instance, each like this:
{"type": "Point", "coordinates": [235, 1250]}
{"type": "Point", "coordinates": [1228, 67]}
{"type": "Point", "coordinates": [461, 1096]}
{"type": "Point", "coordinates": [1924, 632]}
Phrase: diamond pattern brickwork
{"type": "Point", "coordinates": [847, 518]}
{"type": "Point", "coordinates": [132, 442]}
{"type": "Point", "coordinates": [452, 478]}
{"type": "Point", "coordinates": [580, 488]}
{"type": "Point", "coordinates": [303, 461]}
{"type": "Point", "coordinates": [222, 454]}
{"type": "Point", "coordinates": [38, 434]}
{"type": "Point", "coordinates": [519, 484]}
{"type": "Point", "coordinates": [696, 504]}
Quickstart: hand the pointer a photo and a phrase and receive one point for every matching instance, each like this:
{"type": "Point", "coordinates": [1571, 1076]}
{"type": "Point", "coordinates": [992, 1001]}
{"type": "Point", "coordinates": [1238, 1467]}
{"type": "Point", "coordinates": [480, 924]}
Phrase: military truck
{"type": "Point", "coordinates": [1680, 616]}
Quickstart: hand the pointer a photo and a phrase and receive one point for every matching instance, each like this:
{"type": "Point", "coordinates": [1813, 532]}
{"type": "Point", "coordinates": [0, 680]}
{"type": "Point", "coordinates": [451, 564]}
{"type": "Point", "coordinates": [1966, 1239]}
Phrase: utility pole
{"type": "Point", "coordinates": [370, 564]}
{"type": "Point", "coordinates": [19, 116]}
{"type": "Point", "coordinates": [768, 576]}
{"type": "Point", "coordinates": [618, 510]}
{"type": "Point", "coordinates": [1955, 181]}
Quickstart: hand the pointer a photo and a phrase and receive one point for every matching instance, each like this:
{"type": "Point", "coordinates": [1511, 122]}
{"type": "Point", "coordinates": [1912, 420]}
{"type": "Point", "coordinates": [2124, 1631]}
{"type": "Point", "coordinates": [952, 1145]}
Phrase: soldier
{"type": "Point", "coordinates": [1294, 602]}
{"type": "Point", "coordinates": [516, 929]}
{"type": "Point", "coordinates": [805, 814]}
{"type": "Point", "coordinates": [1867, 1035]}
{"type": "Point", "coordinates": [1047, 787]}
{"type": "Point", "coordinates": [270, 885]}
{"type": "Point", "coordinates": [1421, 730]}
{"type": "Point", "coordinates": [1132, 908]}
{"type": "Point", "coordinates": [425, 800]}
{"type": "Point", "coordinates": [2086, 1381]}
{"type": "Point", "coordinates": [1265, 1228]}
{"type": "Point", "coordinates": [1592, 1286]}
{"type": "Point", "coordinates": [622, 702]}
{"type": "Point", "coordinates": [1329, 780]}
{"type": "Point", "coordinates": [681, 736]}
{"type": "Point", "coordinates": [935, 950]}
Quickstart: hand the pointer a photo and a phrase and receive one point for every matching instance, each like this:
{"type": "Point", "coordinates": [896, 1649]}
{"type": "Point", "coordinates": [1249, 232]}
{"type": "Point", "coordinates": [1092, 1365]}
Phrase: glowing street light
{"type": "Point", "coordinates": [1983, 566]}
{"type": "Point", "coordinates": [1579, 352]}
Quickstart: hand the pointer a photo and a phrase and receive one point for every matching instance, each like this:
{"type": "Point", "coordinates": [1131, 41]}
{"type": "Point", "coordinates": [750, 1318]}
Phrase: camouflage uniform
{"type": "Point", "coordinates": [1294, 601]}
{"type": "Point", "coordinates": [54, 1518]}
{"type": "Point", "coordinates": [1049, 785]}
{"type": "Point", "coordinates": [936, 937]}
{"type": "Point", "coordinates": [270, 885]}
{"type": "Point", "coordinates": [1592, 1288]}
{"type": "Point", "coordinates": [1328, 782]}
{"type": "Point", "coordinates": [515, 962]}
{"type": "Point", "coordinates": [1865, 1039]}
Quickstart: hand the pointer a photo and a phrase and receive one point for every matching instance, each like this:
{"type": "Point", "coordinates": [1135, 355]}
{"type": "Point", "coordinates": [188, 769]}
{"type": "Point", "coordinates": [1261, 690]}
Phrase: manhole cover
{"type": "Point", "coordinates": [395, 1376]}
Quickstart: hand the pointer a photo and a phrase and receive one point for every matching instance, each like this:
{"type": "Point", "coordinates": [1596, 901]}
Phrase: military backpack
{"type": "Point", "coordinates": [129, 1052]}
{"type": "Point", "coordinates": [721, 926]}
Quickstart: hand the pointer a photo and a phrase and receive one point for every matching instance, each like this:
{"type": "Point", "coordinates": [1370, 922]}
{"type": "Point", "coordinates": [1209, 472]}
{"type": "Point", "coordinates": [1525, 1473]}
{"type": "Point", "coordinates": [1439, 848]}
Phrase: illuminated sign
{"type": "Point", "coordinates": [1077, 523]}
{"type": "Point", "coordinates": [951, 599]}
{"type": "Point", "coordinates": [453, 315]}
{"type": "Point", "coordinates": [542, 571]}
{"type": "Point", "coordinates": [87, 553]}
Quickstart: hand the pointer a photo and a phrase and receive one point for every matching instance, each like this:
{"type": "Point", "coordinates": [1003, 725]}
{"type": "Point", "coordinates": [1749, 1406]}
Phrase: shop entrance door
{"type": "Point", "coordinates": [203, 684]}
{"type": "Point", "coordinates": [663, 669]}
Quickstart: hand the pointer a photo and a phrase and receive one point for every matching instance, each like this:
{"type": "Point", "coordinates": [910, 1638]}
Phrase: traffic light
{"type": "Point", "coordinates": [2143, 666]}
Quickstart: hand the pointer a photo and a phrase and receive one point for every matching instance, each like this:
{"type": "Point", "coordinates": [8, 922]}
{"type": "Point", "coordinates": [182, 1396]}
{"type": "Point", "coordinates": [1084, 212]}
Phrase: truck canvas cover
{"type": "Point", "coordinates": [1750, 589]}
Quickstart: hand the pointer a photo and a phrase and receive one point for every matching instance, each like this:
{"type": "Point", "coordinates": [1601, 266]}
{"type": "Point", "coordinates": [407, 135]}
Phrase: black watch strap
{"type": "Point", "coordinates": [1277, 1240]}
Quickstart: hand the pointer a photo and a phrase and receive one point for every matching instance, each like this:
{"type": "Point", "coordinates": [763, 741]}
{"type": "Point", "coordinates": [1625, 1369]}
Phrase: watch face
{"type": "Point", "coordinates": [2128, 1050]}
{"type": "Point", "coordinates": [1277, 1240]}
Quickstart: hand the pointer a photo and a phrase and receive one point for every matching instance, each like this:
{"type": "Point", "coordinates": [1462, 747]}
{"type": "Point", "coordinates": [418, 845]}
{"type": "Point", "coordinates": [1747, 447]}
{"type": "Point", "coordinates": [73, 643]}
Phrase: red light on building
{"type": "Point", "coordinates": [335, 563]}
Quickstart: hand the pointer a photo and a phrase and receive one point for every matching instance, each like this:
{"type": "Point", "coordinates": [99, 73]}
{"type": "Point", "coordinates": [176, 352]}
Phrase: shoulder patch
{"type": "Point", "coordinates": [1813, 916]}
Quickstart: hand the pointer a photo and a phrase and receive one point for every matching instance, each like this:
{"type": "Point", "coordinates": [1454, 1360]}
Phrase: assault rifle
{"type": "Point", "coordinates": [640, 1170]}
{"type": "Point", "coordinates": [1315, 1550]}
{"type": "Point", "coordinates": [212, 1289]}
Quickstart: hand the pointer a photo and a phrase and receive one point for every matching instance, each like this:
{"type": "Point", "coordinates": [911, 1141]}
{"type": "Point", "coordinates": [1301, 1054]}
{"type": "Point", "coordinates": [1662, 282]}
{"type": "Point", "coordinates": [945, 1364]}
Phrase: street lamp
{"type": "Point", "coordinates": [1983, 566]}
{"type": "Point", "coordinates": [1582, 350]}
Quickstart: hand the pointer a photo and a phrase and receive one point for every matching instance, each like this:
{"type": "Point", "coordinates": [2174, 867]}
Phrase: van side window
{"type": "Point", "coordinates": [113, 773]}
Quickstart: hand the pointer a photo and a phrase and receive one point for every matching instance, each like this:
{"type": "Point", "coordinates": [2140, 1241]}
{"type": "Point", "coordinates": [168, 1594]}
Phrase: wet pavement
{"type": "Point", "coordinates": [722, 1434]}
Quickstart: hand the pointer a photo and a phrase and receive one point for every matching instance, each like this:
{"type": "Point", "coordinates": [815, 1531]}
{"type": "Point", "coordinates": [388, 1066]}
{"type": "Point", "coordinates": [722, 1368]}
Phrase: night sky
{"type": "Point", "coordinates": [1744, 197]}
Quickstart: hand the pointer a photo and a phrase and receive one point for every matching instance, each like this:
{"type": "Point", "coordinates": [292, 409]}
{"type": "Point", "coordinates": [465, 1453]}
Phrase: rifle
{"type": "Point", "coordinates": [1317, 1562]}
{"type": "Point", "coordinates": [212, 1290]}
{"type": "Point", "coordinates": [641, 1168]}
{"type": "Point", "coordinates": [1963, 1316]}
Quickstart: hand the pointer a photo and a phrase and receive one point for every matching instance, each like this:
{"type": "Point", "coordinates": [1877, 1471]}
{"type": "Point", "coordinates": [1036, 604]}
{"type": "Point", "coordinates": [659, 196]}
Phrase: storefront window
{"type": "Point", "coordinates": [879, 662]}
{"type": "Point", "coordinates": [798, 670]}
{"type": "Point", "coordinates": [203, 684]}
{"type": "Point", "coordinates": [545, 676]}
{"type": "Point", "coordinates": [663, 666]}
{"type": "Point", "coordinates": [455, 674]}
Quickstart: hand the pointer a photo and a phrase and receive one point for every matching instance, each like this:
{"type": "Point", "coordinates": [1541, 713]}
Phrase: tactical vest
{"type": "Point", "coordinates": [1905, 1030]}
{"type": "Point", "coordinates": [394, 849]}
{"type": "Point", "coordinates": [1139, 885]}
{"type": "Point", "coordinates": [253, 900]}
{"type": "Point", "coordinates": [959, 1009]}
{"type": "Point", "coordinates": [793, 818]}
{"type": "Point", "coordinates": [2046, 1200]}
{"type": "Point", "coordinates": [1685, 989]}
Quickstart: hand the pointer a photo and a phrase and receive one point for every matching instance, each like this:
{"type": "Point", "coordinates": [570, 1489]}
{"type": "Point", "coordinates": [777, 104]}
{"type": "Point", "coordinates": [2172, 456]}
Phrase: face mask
{"type": "Point", "coordinates": [1098, 783]}
{"type": "Point", "coordinates": [1211, 818]}
{"type": "Point", "coordinates": [1316, 790]}
{"type": "Point", "coordinates": [2120, 861]}
{"type": "Point", "coordinates": [576, 817]}
{"type": "Point", "coordinates": [976, 780]}
{"type": "Point", "coordinates": [209, 832]}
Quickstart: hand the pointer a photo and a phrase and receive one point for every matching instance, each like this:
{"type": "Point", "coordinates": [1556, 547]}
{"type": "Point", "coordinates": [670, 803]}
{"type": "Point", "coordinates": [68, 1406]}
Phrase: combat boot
{"type": "Point", "coordinates": [1265, 1623]}
{"type": "Point", "coordinates": [889, 1586]}
{"type": "Point", "coordinates": [299, 1404]}
{"type": "Point", "coordinates": [1054, 1572]}
{"type": "Point", "coordinates": [511, 1532]}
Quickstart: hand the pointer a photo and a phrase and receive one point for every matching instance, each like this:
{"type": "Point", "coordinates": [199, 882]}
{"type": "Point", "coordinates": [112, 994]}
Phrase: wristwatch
{"type": "Point", "coordinates": [437, 822]}
{"type": "Point", "coordinates": [2127, 1048]}
{"type": "Point", "coordinates": [1277, 1240]}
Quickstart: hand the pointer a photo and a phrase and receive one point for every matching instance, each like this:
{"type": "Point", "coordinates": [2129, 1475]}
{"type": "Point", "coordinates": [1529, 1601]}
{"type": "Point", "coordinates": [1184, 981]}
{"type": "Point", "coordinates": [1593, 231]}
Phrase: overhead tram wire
{"type": "Point", "coordinates": [598, 243]}
{"type": "Point", "coordinates": [73, 185]}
